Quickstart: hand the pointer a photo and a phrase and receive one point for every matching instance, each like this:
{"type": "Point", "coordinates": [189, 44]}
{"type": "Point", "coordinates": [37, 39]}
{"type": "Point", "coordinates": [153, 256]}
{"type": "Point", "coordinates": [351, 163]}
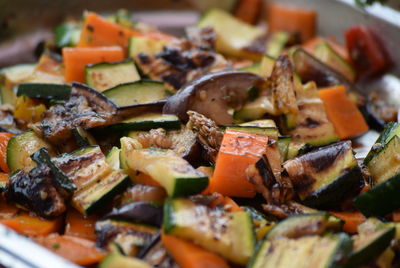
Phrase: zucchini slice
{"type": "Point", "coordinates": [283, 144]}
{"type": "Point", "coordinates": [45, 91]}
{"type": "Point", "coordinates": [95, 180]}
{"type": "Point", "coordinates": [303, 225]}
{"type": "Point", "coordinates": [323, 176]}
{"type": "Point", "coordinates": [21, 147]}
{"type": "Point", "coordinates": [227, 234]}
{"type": "Point", "coordinates": [309, 251]}
{"type": "Point", "coordinates": [174, 173]}
{"type": "Point", "coordinates": [233, 36]}
{"type": "Point", "coordinates": [325, 53]}
{"type": "Point", "coordinates": [102, 76]}
{"type": "Point", "coordinates": [392, 129]}
{"type": "Point", "coordinates": [117, 259]}
{"type": "Point", "coordinates": [139, 92]}
{"type": "Point", "coordinates": [272, 132]}
{"type": "Point", "coordinates": [370, 245]}
{"type": "Point", "coordinates": [276, 43]}
{"type": "Point", "coordinates": [385, 172]}
{"type": "Point", "coordinates": [147, 122]}
{"type": "Point", "coordinates": [146, 45]}
{"type": "Point", "coordinates": [112, 158]}
{"type": "Point", "coordinates": [82, 137]}
{"type": "Point", "coordinates": [312, 125]}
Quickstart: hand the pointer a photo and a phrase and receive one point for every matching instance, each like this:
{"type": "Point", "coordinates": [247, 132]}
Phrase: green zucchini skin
{"type": "Point", "coordinates": [372, 250]}
{"type": "Point", "coordinates": [381, 199]}
{"type": "Point", "coordinates": [337, 258]}
{"type": "Point", "coordinates": [147, 122]}
{"type": "Point", "coordinates": [335, 191]}
{"type": "Point", "coordinates": [138, 92]}
{"type": "Point", "coordinates": [45, 91]}
{"type": "Point", "coordinates": [304, 224]}
{"type": "Point", "coordinates": [391, 129]}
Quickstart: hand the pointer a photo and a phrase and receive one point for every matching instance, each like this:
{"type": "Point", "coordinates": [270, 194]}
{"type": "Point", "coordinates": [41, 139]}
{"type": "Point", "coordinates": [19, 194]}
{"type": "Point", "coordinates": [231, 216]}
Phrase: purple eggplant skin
{"type": "Point", "coordinates": [213, 95]}
{"type": "Point", "coordinates": [36, 191]}
{"type": "Point", "coordinates": [138, 212]}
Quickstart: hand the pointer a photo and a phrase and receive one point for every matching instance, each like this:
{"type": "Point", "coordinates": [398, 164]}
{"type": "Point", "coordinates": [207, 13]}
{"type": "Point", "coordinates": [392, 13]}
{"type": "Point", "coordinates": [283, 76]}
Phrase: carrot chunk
{"type": "Point", "coordinates": [78, 250]}
{"type": "Point", "coordinates": [237, 152]}
{"type": "Point", "coordinates": [351, 220]}
{"type": "Point", "coordinates": [30, 225]}
{"type": "Point", "coordinates": [343, 112]}
{"type": "Point", "coordinates": [188, 255]}
{"type": "Point", "coordinates": [97, 32]}
{"type": "Point", "coordinates": [292, 19]}
{"type": "Point", "coordinates": [75, 60]}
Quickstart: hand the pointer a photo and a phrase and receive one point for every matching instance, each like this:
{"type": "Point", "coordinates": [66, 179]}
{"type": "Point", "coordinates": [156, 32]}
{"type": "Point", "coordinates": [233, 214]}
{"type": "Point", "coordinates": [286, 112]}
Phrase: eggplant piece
{"type": "Point", "coordinates": [213, 95]}
{"type": "Point", "coordinates": [139, 212]}
{"type": "Point", "coordinates": [42, 157]}
{"type": "Point", "coordinates": [138, 109]}
{"type": "Point", "coordinates": [36, 191]}
{"type": "Point", "coordinates": [86, 108]}
{"type": "Point", "coordinates": [128, 236]}
{"type": "Point", "coordinates": [99, 102]}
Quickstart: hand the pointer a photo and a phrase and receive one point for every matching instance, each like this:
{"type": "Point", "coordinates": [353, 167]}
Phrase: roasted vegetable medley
{"type": "Point", "coordinates": [232, 146]}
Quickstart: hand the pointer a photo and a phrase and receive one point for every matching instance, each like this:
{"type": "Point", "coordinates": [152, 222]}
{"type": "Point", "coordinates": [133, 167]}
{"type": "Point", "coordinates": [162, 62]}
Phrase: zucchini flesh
{"type": "Point", "coordinates": [255, 109]}
{"type": "Point", "coordinates": [233, 36]}
{"type": "Point", "coordinates": [146, 45]}
{"type": "Point", "coordinates": [147, 122]}
{"type": "Point", "coordinates": [102, 76]}
{"type": "Point", "coordinates": [370, 245]}
{"type": "Point", "coordinates": [139, 92]}
{"type": "Point", "coordinates": [21, 147]}
{"type": "Point", "coordinates": [272, 132]}
{"type": "Point", "coordinates": [386, 163]}
{"type": "Point", "coordinates": [227, 234]}
{"type": "Point", "coordinates": [385, 172]}
{"type": "Point", "coordinates": [325, 53]}
{"type": "Point", "coordinates": [308, 251]}
{"type": "Point", "coordinates": [127, 235]}
{"type": "Point", "coordinates": [95, 180]}
{"type": "Point", "coordinates": [303, 225]}
{"type": "Point", "coordinates": [174, 173]}
{"type": "Point", "coordinates": [45, 91]}
{"type": "Point", "coordinates": [323, 176]}
{"type": "Point", "coordinates": [392, 129]}
{"type": "Point", "coordinates": [312, 125]}
{"type": "Point", "coordinates": [82, 137]}
{"type": "Point", "coordinates": [112, 158]}
{"type": "Point", "coordinates": [276, 43]}
{"type": "Point", "coordinates": [283, 144]}
{"type": "Point", "coordinates": [260, 123]}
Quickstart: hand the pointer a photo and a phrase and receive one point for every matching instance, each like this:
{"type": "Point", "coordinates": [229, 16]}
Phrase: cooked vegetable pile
{"type": "Point", "coordinates": [124, 146]}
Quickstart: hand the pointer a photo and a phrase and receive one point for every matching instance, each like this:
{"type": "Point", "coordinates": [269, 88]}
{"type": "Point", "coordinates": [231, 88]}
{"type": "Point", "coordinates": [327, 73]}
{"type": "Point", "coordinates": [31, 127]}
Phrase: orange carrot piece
{"type": "Point", "coordinates": [292, 19]}
{"type": "Point", "coordinates": [78, 250]}
{"type": "Point", "coordinates": [248, 10]}
{"type": "Point", "coordinates": [342, 112]}
{"type": "Point", "coordinates": [238, 151]}
{"type": "Point", "coordinates": [30, 225]}
{"type": "Point", "coordinates": [75, 60]}
{"type": "Point", "coordinates": [80, 226]}
{"type": "Point", "coordinates": [4, 138]}
{"type": "Point", "coordinates": [227, 203]}
{"type": "Point", "coordinates": [396, 216]}
{"type": "Point", "coordinates": [97, 32]}
{"type": "Point", "coordinates": [351, 220]}
{"type": "Point", "coordinates": [188, 255]}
